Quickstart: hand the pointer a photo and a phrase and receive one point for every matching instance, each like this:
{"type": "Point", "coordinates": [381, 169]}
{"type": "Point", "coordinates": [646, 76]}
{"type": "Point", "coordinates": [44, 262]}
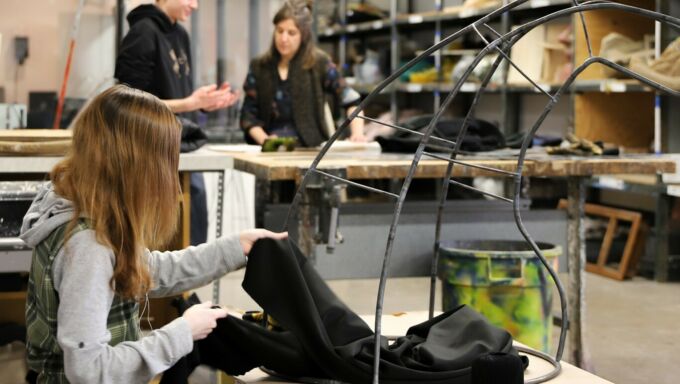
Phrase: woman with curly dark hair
{"type": "Point", "coordinates": [287, 88]}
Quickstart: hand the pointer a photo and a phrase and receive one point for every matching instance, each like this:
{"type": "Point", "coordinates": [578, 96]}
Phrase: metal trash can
{"type": "Point", "coordinates": [503, 280]}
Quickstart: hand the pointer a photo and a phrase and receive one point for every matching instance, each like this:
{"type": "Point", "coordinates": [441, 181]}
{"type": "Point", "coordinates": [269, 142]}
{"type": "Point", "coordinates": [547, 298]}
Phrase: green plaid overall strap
{"type": "Point", "coordinates": [44, 354]}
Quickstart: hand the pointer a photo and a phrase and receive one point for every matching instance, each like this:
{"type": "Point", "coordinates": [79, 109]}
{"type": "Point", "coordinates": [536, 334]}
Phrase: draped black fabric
{"type": "Point", "coordinates": [325, 339]}
{"type": "Point", "coordinates": [480, 136]}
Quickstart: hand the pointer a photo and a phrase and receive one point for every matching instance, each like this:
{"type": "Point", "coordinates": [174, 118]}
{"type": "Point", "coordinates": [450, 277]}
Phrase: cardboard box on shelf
{"type": "Point", "coordinates": [543, 54]}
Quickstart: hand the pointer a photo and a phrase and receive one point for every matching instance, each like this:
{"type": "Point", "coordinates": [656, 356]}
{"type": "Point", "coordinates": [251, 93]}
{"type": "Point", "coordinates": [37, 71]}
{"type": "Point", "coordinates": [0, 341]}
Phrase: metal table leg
{"type": "Point", "coordinates": [318, 214]}
{"type": "Point", "coordinates": [307, 217]}
{"type": "Point", "coordinates": [577, 352]}
{"type": "Point", "coordinates": [217, 377]}
{"type": "Point", "coordinates": [661, 218]}
{"type": "Point", "coordinates": [218, 227]}
{"type": "Point", "coordinates": [263, 194]}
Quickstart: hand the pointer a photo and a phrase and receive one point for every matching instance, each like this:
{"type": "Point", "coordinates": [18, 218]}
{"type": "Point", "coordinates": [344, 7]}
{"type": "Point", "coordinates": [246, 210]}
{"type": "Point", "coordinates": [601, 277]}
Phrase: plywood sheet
{"type": "Point", "coordinates": [28, 135]}
{"type": "Point", "coordinates": [625, 119]}
{"type": "Point", "coordinates": [527, 54]}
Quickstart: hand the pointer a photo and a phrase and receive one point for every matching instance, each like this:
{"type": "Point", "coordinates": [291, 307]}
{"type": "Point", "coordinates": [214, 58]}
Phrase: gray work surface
{"type": "Point", "coordinates": [364, 228]}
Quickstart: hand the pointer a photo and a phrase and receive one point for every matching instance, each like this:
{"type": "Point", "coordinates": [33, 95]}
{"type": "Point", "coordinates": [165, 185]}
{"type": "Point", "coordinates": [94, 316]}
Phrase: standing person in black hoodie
{"type": "Point", "coordinates": [155, 56]}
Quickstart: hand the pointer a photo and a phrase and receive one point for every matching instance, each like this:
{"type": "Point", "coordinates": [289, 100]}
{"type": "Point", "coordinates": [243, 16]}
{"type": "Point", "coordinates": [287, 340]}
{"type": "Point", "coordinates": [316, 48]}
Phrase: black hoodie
{"type": "Point", "coordinates": [155, 55]}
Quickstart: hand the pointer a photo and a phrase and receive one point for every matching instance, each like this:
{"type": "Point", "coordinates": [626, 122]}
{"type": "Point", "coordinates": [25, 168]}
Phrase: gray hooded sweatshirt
{"type": "Point", "coordinates": [81, 274]}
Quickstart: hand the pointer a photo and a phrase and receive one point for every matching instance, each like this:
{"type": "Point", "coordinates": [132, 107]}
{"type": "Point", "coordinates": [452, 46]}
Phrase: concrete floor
{"type": "Point", "coordinates": [631, 327]}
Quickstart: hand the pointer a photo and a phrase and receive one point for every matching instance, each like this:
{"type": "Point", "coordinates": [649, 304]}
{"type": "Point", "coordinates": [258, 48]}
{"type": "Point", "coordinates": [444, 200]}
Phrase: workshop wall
{"type": "Point", "coordinates": [48, 23]}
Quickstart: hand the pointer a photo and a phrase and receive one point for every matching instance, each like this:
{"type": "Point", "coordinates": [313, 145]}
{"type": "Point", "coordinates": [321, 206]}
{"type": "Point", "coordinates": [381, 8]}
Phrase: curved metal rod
{"type": "Point", "coordinates": [298, 196]}
{"type": "Point", "coordinates": [585, 29]}
{"type": "Point", "coordinates": [516, 211]}
{"type": "Point", "coordinates": [305, 179]}
{"type": "Point", "coordinates": [518, 189]}
{"type": "Point", "coordinates": [520, 164]}
{"type": "Point", "coordinates": [525, 145]}
{"type": "Point", "coordinates": [402, 196]}
{"type": "Point", "coordinates": [519, 33]}
{"type": "Point", "coordinates": [557, 367]}
{"type": "Point", "coordinates": [505, 56]}
{"type": "Point", "coordinates": [673, 21]}
{"type": "Point", "coordinates": [445, 184]}
{"type": "Point", "coordinates": [669, 20]}
{"type": "Point", "coordinates": [449, 170]}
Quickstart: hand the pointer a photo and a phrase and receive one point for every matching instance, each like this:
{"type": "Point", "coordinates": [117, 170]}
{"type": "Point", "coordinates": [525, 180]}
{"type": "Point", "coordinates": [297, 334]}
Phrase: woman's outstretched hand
{"type": "Point", "coordinates": [202, 319]}
{"type": "Point", "coordinates": [250, 236]}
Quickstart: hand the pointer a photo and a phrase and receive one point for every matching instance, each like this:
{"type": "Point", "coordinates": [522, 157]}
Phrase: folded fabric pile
{"type": "Point", "coordinates": [323, 338]}
{"type": "Point", "coordinates": [480, 136]}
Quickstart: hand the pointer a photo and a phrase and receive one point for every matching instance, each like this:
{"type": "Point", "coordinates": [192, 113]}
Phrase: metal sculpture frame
{"type": "Point", "coordinates": [502, 44]}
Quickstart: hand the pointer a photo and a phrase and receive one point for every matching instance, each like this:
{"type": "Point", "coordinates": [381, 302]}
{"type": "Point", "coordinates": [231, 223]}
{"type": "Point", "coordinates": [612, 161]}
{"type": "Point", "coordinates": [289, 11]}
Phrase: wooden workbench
{"type": "Point", "coordinates": [278, 166]}
{"type": "Point", "coordinates": [370, 165]}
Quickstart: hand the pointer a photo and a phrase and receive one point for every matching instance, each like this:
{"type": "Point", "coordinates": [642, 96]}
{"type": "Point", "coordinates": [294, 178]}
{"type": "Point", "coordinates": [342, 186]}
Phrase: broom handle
{"type": "Point", "coordinates": [67, 70]}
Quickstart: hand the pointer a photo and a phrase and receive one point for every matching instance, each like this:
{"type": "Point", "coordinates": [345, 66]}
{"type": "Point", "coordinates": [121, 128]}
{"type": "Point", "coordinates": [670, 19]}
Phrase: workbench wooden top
{"type": "Point", "coordinates": [201, 160]}
{"type": "Point", "coordinates": [287, 165]}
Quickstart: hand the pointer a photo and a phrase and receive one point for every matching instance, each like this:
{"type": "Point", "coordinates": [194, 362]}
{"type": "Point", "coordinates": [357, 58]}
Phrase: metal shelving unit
{"type": "Point", "coordinates": [590, 88]}
{"type": "Point", "coordinates": [398, 24]}
{"type": "Point", "coordinates": [438, 15]}
{"type": "Point", "coordinates": [608, 86]}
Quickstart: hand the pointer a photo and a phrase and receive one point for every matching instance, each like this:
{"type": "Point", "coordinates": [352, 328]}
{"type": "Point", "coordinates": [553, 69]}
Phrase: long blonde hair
{"type": "Point", "coordinates": [121, 173]}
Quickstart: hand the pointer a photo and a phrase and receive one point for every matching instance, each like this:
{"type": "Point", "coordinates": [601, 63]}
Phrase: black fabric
{"type": "Point", "coordinates": [31, 377]}
{"type": "Point", "coordinates": [358, 13]}
{"type": "Point", "coordinates": [198, 229]}
{"type": "Point", "coordinates": [480, 136]}
{"type": "Point", "coordinates": [10, 332]}
{"type": "Point", "coordinates": [193, 136]}
{"type": "Point", "coordinates": [498, 368]}
{"type": "Point", "coordinates": [324, 338]}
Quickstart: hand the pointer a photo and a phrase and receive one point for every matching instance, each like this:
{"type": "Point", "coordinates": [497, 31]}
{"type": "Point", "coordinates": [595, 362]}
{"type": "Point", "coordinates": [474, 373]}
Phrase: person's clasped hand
{"type": "Point", "coordinates": [358, 138]}
{"type": "Point", "coordinates": [250, 236]}
{"type": "Point", "coordinates": [202, 319]}
{"type": "Point", "coordinates": [211, 98]}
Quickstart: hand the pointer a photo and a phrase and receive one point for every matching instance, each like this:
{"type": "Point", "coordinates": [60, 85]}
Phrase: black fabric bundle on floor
{"type": "Point", "coordinates": [323, 338]}
{"type": "Point", "coordinates": [480, 136]}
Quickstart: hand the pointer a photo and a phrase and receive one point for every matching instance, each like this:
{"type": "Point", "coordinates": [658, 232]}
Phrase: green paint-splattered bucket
{"type": "Point", "coordinates": [505, 281]}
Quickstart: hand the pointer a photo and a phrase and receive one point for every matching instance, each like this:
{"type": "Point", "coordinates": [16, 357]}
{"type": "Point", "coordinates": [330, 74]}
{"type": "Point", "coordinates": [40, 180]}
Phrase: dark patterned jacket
{"type": "Point", "coordinates": [310, 89]}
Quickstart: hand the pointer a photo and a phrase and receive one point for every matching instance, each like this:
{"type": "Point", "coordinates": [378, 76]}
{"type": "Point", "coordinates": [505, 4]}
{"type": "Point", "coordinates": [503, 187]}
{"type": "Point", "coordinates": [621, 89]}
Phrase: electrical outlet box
{"type": "Point", "coordinates": [12, 116]}
{"type": "Point", "coordinates": [20, 49]}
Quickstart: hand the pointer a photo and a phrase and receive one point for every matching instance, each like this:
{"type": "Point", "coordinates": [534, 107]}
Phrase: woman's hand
{"type": "Point", "coordinates": [210, 98]}
{"type": "Point", "coordinates": [259, 135]}
{"type": "Point", "coordinates": [202, 319]}
{"type": "Point", "coordinates": [358, 137]}
{"type": "Point", "coordinates": [250, 236]}
{"type": "Point", "coordinates": [356, 128]}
